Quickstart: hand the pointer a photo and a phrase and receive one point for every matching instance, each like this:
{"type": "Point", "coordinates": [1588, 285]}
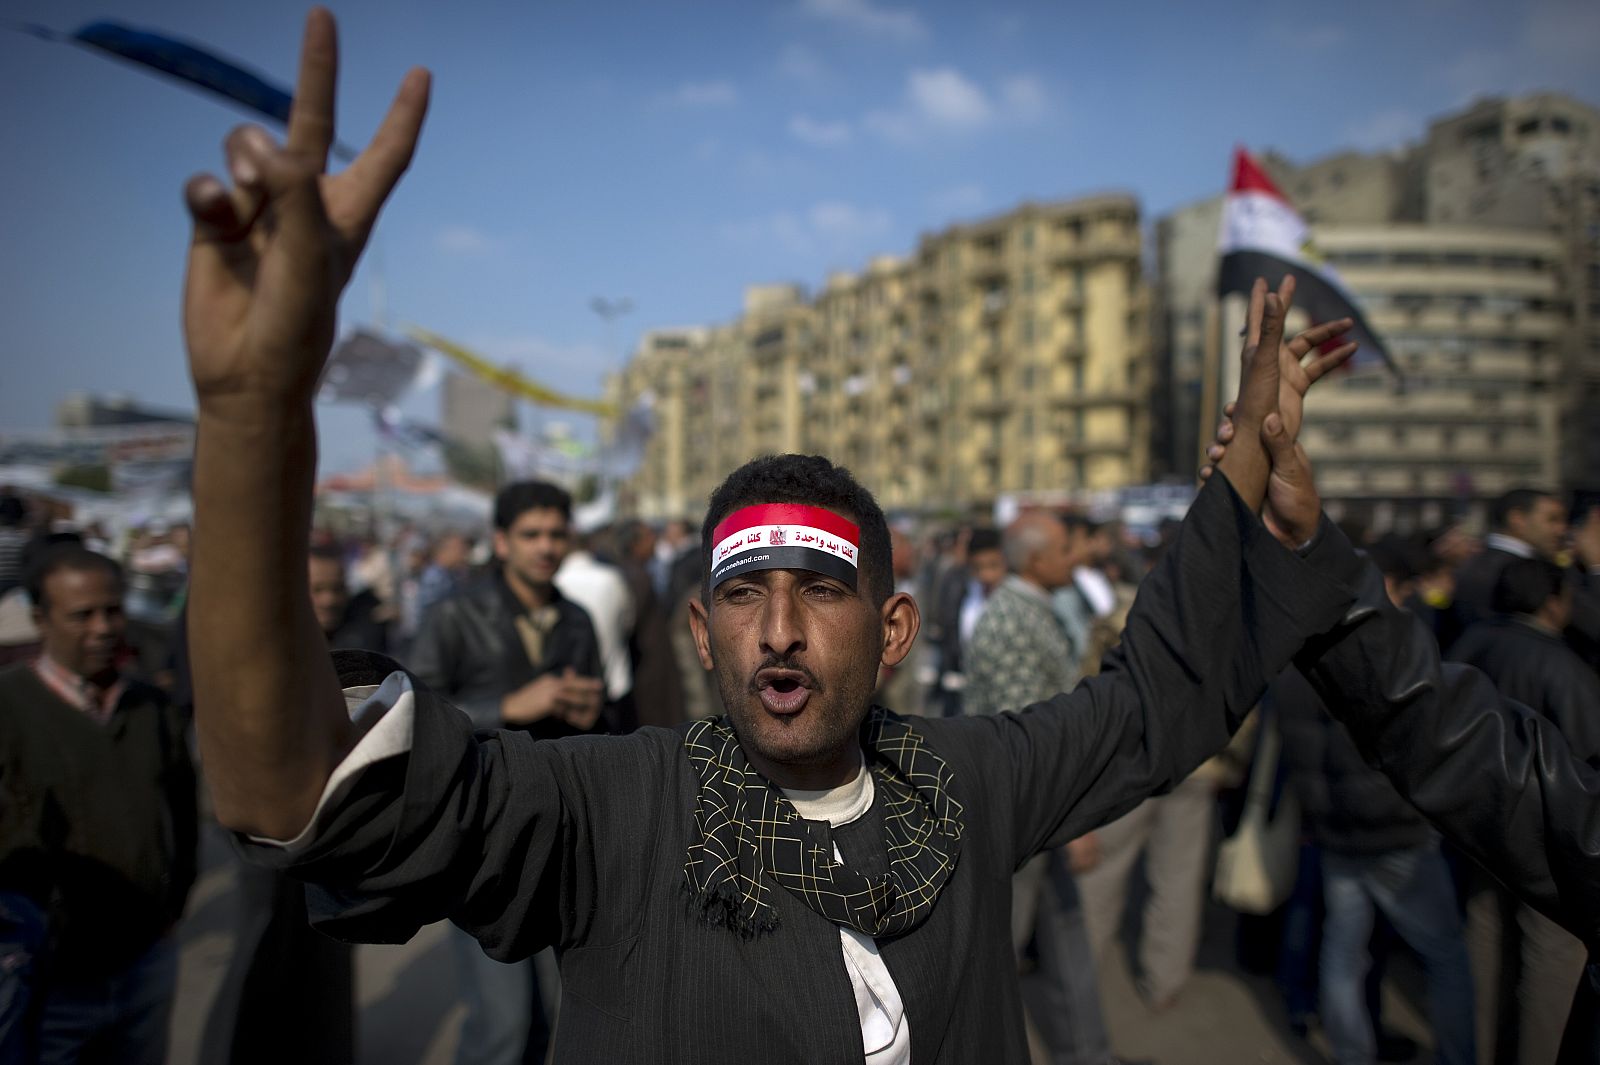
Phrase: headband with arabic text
{"type": "Point", "coordinates": [784, 536]}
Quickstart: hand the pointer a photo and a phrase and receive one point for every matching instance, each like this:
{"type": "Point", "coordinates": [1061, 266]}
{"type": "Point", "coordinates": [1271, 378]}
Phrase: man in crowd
{"type": "Point", "coordinates": [1526, 966]}
{"type": "Point", "coordinates": [1021, 655]}
{"type": "Point", "coordinates": [731, 890]}
{"type": "Point", "coordinates": [962, 591]}
{"type": "Point", "coordinates": [348, 621]}
{"type": "Point", "coordinates": [655, 669]}
{"type": "Point", "coordinates": [512, 652]}
{"type": "Point", "coordinates": [600, 589]}
{"type": "Point", "coordinates": [445, 572]}
{"type": "Point", "coordinates": [897, 687]}
{"type": "Point", "coordinates": [1379, 856]}
{"type": "Point", "coordinates": [98, 822]}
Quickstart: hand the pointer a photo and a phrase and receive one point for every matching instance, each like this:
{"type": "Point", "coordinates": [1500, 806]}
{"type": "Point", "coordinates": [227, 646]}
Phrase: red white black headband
{"type": "Point", "coordinates": [784, 536]}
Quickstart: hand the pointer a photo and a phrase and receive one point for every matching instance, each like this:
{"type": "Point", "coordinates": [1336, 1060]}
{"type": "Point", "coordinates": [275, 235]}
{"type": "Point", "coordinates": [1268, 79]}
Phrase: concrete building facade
{"type": "Point", "coordinates": [1010, 355]}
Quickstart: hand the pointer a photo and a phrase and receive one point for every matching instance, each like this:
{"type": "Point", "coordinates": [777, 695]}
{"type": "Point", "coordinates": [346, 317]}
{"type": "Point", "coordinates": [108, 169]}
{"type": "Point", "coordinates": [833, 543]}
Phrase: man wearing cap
{"type": "Point", "coordinates": [808, 878]}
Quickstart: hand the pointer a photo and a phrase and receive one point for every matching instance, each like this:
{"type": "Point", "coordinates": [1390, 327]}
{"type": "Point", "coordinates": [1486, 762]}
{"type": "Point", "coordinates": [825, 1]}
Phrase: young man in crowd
{"type": "Point", "coordinates": [512, 652]}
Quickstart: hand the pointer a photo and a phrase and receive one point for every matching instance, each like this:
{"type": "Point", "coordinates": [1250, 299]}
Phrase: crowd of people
{"type": "Point", "coordinates": [786, 869]}
{"type": "Point", "coordinates": [536, 625]}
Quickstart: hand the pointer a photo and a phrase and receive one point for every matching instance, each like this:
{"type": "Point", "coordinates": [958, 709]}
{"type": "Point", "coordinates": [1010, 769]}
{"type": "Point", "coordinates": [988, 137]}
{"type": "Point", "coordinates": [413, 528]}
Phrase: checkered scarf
{"type": "Point", "coordinates": [749, 836]}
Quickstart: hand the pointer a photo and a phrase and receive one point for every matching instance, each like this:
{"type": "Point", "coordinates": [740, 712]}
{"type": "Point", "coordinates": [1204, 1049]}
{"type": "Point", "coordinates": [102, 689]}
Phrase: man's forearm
{"type": "Point", "coordinates": [268, 709]}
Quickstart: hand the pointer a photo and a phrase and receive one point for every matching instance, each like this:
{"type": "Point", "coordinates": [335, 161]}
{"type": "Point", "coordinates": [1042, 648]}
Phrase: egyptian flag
{"type": "Point", "coordinates": [785, 536]}
{"type": "Point", "coordinates": [1264, 236]}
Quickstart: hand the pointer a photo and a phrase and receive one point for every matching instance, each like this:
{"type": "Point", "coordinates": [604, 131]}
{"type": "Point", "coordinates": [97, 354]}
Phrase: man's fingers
{"type": "Point", "coordinates": [1252, 322]}
{"type": "Point", "coordinates": [1310, 339]}
{"type": "Point", "coordinates": [212, 210]}
{"type": "Point", "coordinates": [311, 116]}
{"type": "Point", "coordinates": [1319, 366]}
{"type": "Point", "coordinates": [1225, 431]}
{"type": "Point", "coordinates": [248, 150]}
{"type": "Point", "coordinates": [377, 170]}
{"type": "Point", "coordinates": [1286, 292]}
{"type": "Point", "coordinates": [1227, 409]}
{"type": "Point", "coordinates": [1275, 437]}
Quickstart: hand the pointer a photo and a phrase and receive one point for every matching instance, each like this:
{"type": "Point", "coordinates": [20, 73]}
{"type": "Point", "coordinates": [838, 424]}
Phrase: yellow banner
{"type": "Point", "coordinates": [509, 380]}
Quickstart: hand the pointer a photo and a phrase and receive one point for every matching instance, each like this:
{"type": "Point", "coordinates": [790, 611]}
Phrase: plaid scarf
{"type": "Point", "coordinates": [749, 836]}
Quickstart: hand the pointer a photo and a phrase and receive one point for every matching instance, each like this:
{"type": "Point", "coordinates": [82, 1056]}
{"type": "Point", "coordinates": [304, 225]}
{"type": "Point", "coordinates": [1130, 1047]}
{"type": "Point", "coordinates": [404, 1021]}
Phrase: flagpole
{"type": "Point", "coordinates": [1211, 379]}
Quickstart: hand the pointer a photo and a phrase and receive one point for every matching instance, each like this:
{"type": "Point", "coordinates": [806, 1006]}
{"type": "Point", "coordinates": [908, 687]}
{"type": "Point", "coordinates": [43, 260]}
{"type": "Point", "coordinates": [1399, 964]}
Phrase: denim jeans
{"type": "Point", "coordinates": [1047, 909]}
{"type": "Point", "coordinates": [506, 1022]}
{"type": "Point", "coordinates": [118, 1020]}
{"type": "Point", "coordinates": [1413, 889]}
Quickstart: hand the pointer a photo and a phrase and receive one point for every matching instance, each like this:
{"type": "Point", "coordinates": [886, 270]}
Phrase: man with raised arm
{"type": "Point", "coordinates": [808, 878]}
{"type": "Point", "coordinates": [1499, 779]}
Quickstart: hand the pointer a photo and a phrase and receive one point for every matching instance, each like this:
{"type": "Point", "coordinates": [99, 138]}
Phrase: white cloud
{"type": "Point", "coordinates": [818, 133]}
{"type": "Point", "coordinates": [830, 226]}
{"type": "Point", "coordinates": [944, 96]}
{"type": "Point", "coordinates": [1386, 129]}
{"type": "Point", "coordinates": [463, 240]}
{"type": "Point", "coordinates": [944, 100]}
{"type": "Point", "coordinates": [799, 63]}
{"type": "Point", "coordinates": [864, 16]}
{"type": "Point", "coordinates": [1024, 96]}
{"type": "Point", "coordinates": [705, 94]}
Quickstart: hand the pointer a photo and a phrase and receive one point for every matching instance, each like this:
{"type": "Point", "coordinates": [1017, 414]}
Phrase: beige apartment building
{"type": "Point", "coordinates": [1476, 319]}
{"type": "Point", "coordinates": [1009, 355]}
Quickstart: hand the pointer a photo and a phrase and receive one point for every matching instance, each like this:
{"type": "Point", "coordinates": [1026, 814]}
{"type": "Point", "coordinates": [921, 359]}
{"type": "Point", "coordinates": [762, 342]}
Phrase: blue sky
{"type": "Point", "coordinates": [675, 152]}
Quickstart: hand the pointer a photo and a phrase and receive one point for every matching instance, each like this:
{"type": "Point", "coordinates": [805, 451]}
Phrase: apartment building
{"type": "Point", "coordinates": [1009, 355]}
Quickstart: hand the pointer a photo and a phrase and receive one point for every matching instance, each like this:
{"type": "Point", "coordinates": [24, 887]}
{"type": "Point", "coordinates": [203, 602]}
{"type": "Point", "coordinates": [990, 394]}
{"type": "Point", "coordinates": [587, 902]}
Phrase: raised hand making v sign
{"type": "Point", "coordinates": [271, 256]}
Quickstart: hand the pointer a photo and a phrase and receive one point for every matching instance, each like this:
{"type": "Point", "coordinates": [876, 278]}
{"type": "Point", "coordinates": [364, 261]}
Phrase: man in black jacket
{"type": "Point", "coordinates": [512, 652]}
{"type": "Point", "coordinates": [1525, 965]}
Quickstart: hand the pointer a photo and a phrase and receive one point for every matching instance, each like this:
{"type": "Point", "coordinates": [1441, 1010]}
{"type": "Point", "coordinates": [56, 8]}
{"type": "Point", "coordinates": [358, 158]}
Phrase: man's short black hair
{"type": "Point", "coordinates": [983, 538]}
{"type": "Point", "coordinates": [65, 556]}
{"type": "Point", "coordinates": [12, 510]}
{"type": "Point", "coordinates": [813, 481]}
{"type": "Point", "coordinates": [1516, 501]}
{"type": "Point", "coordinates": [517, 499]}
{"type": "Point", "coordinates": [1398, 558]}
{"type": "Point", "coordinates": [1526, 585]}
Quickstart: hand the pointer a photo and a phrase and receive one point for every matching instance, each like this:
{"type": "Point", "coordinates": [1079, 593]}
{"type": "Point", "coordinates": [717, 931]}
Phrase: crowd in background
{"type": "Point", "coordinates": [1009, 616]}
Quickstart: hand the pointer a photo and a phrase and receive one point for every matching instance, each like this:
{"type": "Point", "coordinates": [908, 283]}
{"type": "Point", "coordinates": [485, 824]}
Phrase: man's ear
{"type": "Point", "coordinates": [700, 625]}
{"type": "Point", "coordinates": [901, 622]}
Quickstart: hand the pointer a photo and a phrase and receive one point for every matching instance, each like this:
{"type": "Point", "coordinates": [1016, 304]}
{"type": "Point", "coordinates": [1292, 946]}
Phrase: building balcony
{"type": "Point", "coordinates": [1096, 247]}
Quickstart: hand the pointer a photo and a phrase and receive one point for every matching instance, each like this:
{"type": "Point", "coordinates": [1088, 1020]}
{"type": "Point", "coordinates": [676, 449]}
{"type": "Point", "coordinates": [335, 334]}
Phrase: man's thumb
{"type": "Point", "coordinates": [1275, 438]}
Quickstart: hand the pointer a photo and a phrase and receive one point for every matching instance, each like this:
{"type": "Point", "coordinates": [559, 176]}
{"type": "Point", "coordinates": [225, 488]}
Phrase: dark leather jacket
{"type": "Point", "coordinates": [1499, 780]}
{"type": "Point", "coordinates": [468, 651]}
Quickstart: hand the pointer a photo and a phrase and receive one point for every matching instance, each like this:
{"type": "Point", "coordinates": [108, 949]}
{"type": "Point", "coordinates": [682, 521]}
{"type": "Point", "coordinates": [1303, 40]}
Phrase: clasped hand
{"type": "Point", "coordinates": [1271, 405]}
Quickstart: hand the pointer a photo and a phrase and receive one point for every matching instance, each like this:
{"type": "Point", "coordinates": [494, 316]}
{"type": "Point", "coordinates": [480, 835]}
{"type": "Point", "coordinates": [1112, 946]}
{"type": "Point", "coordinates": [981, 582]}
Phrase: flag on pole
{"type": "Point", "coordinates": [1264, 236]}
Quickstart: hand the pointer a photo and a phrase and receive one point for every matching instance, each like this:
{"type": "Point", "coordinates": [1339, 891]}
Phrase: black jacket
{"type": "Point", "coordinates": [1348, 807]}
{"type": "Point", "coordinates": [1499, 780]}
{"type": "Point", "coordinates": [1540, 671]}
{"type": "Point", "coordinates": [468, 650]}
{"type": "Point", "coordinates": [1474, 601]}
{"type": "Point", "coordinates": [581, 842]}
